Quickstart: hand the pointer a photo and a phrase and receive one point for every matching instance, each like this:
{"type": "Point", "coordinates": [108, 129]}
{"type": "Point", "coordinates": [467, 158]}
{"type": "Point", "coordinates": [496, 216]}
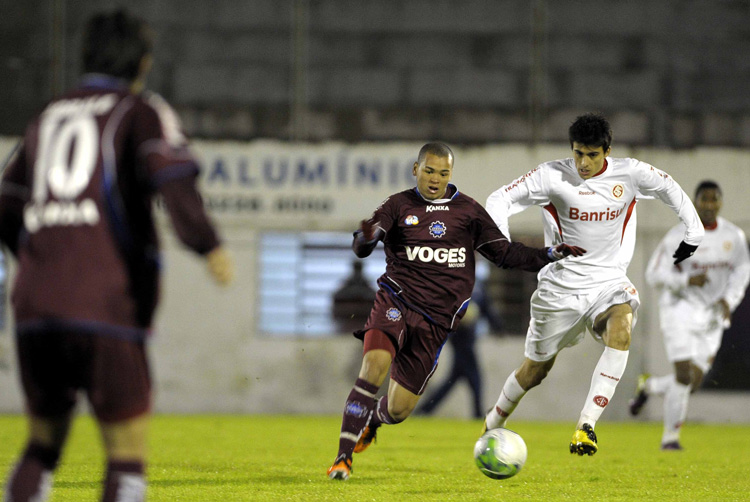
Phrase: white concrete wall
{"type": "Point", "coordinates": [208, 357]}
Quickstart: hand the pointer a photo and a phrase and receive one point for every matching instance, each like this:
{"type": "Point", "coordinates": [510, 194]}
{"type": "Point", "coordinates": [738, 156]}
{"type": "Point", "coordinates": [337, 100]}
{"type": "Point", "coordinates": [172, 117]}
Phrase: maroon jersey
{"type": "Point", "coordinates": [429, 249]}
{"type": "Point", "coordinates": [76, 207]}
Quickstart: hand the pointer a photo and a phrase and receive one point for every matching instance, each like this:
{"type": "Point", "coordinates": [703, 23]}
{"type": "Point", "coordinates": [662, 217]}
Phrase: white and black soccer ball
{"type": "Point", "coordinates": [500, 453]}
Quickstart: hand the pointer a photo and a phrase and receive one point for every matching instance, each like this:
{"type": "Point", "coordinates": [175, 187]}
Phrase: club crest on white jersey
{"type": "Point", "coordinates": [618, 191]}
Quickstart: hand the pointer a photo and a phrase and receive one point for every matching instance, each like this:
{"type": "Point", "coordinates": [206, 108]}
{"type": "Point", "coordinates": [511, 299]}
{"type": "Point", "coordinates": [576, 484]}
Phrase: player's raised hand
{"type": "Point", "coordinates": [684, 251]}
{"type": "Point", "coordinates": [220, 266]}
{"type": "Point", "coordinates": [562, 250]}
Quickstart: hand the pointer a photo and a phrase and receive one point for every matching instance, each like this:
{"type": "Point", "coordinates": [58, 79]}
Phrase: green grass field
{"type": "Point", "coordinates": [231, 458]}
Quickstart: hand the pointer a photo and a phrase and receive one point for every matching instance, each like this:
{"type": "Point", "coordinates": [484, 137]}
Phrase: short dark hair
{"type": "Point", "coordinates": [434, 148]}
{"type": "Point", "coordinates": [114, 44]}
{"type": "Point", "coordinates": [591, 129]}
{"type": "Point", "coordinates": [707, 185]}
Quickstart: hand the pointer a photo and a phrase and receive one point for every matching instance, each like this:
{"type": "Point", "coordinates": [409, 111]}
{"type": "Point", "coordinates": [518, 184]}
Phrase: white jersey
{"type": "Point", "coordinates": [723, 256]}
{"type": "Point", "coordinates": [597, 214]}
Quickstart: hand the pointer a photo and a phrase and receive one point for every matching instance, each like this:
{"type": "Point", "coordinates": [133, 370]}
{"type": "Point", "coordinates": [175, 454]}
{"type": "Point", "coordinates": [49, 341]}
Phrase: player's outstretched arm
{"type": "Point", "coordinates": [563, 250]}
{"type": "Point", "coordinates": [220, 265]}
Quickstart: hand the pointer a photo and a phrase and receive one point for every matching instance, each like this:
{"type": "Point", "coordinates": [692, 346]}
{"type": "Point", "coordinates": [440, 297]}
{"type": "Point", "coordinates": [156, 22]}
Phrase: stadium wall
{"type": "Point", "coordinates": [208, 355]}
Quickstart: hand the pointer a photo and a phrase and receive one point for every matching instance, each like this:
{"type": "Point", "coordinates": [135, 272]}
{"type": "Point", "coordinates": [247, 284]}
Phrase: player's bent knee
{"type": "Point", "coordinates": [49, 432]}
{"type": "Point", "coordinates": [126, 440]}
{"type": "Point", "coordinates": [618, 334]}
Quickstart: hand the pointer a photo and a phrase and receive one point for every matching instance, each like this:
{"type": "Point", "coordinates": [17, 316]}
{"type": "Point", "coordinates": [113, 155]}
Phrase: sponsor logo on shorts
{"type": "Point", "coordinates": [393, 314]}
{"type": "Point", "coordinates": [411, 220]}
{"type": "Point", "coordinates": [631, 289]}
{"type": "Point", "coordinates": [601, 401]}
{"type": "Point", "coordinates": [617, 191]}
{"type": "Point", "coordinates": [355, 409]}
{"type": "Point", "coordinates": [437, 208]}
{"type": "Point", "coordinates": [454, 257]}
{"type": "Point", "coordinates": [437, 229]}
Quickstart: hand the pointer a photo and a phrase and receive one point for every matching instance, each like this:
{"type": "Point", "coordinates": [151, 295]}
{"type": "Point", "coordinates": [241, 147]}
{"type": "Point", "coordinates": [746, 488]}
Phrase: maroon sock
{"type": "Point", "coordinates": [124, 482]}
{"type": "Point", "coordinates": [32, 477]}
{"type": "Point", "coordinates": [357, 413]}
{"type": "Point", "coordinates": [381, 416]}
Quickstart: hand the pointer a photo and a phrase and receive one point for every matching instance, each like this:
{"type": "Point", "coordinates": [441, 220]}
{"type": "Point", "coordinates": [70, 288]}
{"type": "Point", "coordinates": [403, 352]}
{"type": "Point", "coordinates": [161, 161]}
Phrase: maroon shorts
{"type": "Point", "coordinates": [417, 341]}
{"type": "Point", "coordinates": [112, 371]}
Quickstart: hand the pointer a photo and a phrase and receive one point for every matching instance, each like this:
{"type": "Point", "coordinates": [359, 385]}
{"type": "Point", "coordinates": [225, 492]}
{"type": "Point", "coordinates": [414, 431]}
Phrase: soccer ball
{"type": "Point", "coordinates": [500, 453]}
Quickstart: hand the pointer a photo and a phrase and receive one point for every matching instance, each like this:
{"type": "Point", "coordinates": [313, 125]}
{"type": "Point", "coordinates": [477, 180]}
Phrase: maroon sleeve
{"type": "Point", "coordinates": [188, 215]}
{"type": "Point", "coordinates": [161, 146]}
{"type": "Point", "coordinates": [171, 168]}
{"type": "Point", "coordinates": [493, 245]}
{"type": "Point", "coordinates": [382, 220]}
{"type": "Point", "coordinates": [14, 192]}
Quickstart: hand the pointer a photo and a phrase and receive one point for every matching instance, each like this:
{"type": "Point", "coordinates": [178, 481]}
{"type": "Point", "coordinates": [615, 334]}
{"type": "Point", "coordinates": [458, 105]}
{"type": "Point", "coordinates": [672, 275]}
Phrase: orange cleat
{"type": "Point", "coordinates": [366, 439]}
{"type": "Point", "coordinates": [341, 468]}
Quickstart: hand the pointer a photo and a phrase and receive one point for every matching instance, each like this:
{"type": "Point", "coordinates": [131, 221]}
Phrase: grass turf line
{"type": "Point", "coordinates": [248, 458]}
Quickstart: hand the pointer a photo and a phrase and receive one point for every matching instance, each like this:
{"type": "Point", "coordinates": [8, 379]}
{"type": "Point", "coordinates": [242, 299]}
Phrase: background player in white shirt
{"type": "Point", "coordinates": [696, 302]}
{"type": "Point", "coordinates": [588, 200]}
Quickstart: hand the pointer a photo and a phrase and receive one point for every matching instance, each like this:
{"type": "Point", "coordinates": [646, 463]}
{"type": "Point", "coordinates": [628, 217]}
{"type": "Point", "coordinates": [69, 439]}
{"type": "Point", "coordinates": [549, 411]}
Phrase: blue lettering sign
{"type": "Point", "coordinates": [275, 175]}
{"type": "Point", "coordinates": [369, 173]}
{"type": "Point", "coordinates": [218, 172]}
{"type": "Point", "coordinates": [244, 176]}
{"type": "Point", "coordinates": [306, 174]}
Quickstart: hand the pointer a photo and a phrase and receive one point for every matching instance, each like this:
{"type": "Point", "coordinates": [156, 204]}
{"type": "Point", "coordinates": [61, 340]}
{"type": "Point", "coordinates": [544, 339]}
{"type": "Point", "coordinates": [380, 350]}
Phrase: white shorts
{"type": "Point", "coordinates": [560, 320]}
{"type": "Point", "coordinates": [691, 333]}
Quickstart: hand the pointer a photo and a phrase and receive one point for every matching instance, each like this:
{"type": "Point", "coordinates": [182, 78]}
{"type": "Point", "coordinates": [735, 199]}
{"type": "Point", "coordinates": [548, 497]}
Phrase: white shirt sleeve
{"type": "Point", "coordinates": [661, 271]}
{"type": "Point", "coordinates": [740, 276]}
{"type": "Point", "coordinates": [530, 189]}
{"type": "Point", "coordinates": [653, 182]}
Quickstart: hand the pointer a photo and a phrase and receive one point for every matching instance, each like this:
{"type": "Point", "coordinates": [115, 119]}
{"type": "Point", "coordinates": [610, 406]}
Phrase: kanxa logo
{"type": "Point", "coordinates": [431, 208]}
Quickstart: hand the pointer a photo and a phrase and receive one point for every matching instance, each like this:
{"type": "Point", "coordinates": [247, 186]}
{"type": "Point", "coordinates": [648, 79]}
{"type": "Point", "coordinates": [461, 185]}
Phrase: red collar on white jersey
{"type": "Point", "coordinates": [604, 168]}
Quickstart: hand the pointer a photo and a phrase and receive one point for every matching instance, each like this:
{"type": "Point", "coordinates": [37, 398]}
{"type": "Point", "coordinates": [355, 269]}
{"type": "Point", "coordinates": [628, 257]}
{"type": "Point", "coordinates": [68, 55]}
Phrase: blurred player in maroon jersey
{"type": "Point", "coordinates": [430, 233]}
{"type": "Point", "coordinates": [76, 211]}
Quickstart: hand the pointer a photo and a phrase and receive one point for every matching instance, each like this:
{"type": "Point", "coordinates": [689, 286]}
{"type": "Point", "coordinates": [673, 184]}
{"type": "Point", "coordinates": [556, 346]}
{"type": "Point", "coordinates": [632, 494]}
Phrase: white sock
{"type": "Point", "coordinates": [509, 398]}
{"type": "Point", "coordinates": [675, 410]}
{"type": "Point", "coordinates": [607, 374]}
{"type": "Point", "coordinates": [659, 385]}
